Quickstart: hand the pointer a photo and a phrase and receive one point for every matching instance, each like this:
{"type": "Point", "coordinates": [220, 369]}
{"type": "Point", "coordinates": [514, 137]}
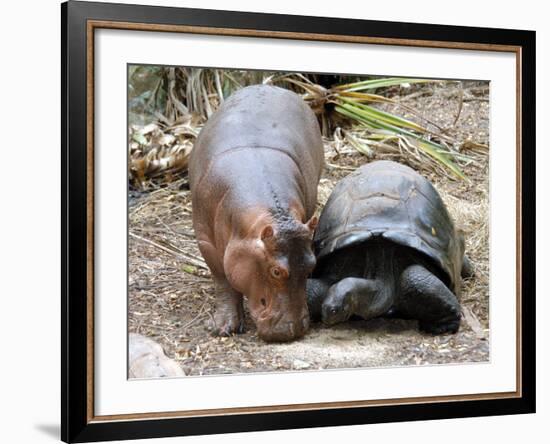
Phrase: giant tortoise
{"type": "Point", "coordinates": [386, 245]}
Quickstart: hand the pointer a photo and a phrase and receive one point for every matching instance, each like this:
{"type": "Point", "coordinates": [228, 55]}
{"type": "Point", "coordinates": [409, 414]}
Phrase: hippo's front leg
{"type": "Point", "coordinates": [229, 316]}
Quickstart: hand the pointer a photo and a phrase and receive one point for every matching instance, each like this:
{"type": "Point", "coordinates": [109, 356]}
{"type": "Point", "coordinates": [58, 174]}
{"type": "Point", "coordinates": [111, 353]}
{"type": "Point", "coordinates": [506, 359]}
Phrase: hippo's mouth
{"type": "Point", "coordinates": [274, 324]}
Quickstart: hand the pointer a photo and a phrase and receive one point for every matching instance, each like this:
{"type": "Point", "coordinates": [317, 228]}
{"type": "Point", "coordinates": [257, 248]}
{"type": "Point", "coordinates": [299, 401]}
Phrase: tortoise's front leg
{"type": "Point", "coordinates": [426, 298]}
{"type": "Point", "coordinates": [316, 291]}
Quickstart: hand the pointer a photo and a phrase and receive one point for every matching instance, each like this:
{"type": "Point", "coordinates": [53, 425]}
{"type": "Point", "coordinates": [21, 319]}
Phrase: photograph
{"type": "Point", "coordinates": [305, 221]}
{"type": "Point", "coordinates": [279, 221]}
{"type": "Point", "coordinates": [265, 222]}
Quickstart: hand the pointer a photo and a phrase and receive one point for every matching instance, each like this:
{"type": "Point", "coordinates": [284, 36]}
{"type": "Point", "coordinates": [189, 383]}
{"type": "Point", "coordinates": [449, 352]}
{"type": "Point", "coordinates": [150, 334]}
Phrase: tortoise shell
{"type": "Point", "coordinates": [389, 200]}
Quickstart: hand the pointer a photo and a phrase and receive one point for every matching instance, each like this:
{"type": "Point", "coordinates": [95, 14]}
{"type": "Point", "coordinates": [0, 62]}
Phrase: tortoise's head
{"type": "Point", "coordinates": [335, 313]}
{"type": "Point", "coordinates": [336, 306]}
{"type": "Point", "coordinates": [270, 267]}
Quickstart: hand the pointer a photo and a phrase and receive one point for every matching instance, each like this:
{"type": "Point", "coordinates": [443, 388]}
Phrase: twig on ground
{"type": "Point", "coordinates": [192, 321]}
{"type": "Point", "coordinates": [173, 251]}
{"type": "Point", "coordinates": [473, 322]}
{"type": "Point", "coordinates": [339, 167]}
{"type": "Point", "coordinates": [460, 103]}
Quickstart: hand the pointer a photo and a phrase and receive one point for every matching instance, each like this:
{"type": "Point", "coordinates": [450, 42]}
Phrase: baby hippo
{"type": "Point", "coordinates": [254, 172]}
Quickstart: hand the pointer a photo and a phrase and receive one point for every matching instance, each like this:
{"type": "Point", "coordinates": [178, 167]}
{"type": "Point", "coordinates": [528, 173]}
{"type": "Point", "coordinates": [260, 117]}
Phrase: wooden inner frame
{"type": "Point", "coordinates": [96, 24]}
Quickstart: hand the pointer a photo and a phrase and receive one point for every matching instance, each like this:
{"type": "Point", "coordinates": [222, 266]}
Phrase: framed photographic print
{"type": "Point", "coordinates": [276, 221]}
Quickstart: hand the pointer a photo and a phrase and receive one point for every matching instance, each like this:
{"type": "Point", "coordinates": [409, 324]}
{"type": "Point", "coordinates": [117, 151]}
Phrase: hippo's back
{"type": "Point", "coordinates": [259, 115]}
{"type": "Point", "coordinates": [260, 130]}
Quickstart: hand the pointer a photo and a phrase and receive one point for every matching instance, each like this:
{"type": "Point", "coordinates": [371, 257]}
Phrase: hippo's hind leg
{"type": "Point", "coordinates": [426, 298]}
{"type": "Point", "coordinates": [229, 316]}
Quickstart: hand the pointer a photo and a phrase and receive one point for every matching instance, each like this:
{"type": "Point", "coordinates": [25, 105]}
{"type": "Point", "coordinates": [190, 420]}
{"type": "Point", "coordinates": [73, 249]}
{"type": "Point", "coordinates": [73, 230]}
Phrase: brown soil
{"type": "Point", "coordinates": [171, 295]}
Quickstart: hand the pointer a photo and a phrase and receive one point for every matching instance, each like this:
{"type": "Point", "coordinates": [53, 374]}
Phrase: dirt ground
{"type": "Point", "coordinates": [171, 295]}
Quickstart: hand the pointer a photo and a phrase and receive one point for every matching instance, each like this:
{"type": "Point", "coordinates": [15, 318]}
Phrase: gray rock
{"type": "Point", "coordinates": [146, 359]}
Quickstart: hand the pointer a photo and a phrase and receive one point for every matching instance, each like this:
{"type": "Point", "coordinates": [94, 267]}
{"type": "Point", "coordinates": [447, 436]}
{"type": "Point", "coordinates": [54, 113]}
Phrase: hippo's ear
{"type": "Point", "coordinates": [312, 223]}
{"type": "Point", "coordinates": [267, 232]}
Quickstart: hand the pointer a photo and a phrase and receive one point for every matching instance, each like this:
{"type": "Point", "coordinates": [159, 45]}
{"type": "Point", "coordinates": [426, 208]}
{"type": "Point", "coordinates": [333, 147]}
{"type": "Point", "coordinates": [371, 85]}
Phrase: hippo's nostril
{"type": "Point", "coordinates": [262, 301]}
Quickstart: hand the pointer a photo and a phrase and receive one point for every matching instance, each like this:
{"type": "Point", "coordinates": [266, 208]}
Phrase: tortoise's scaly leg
{"type": "Point", "coordinates": [316, 291]}
{"type": "Point", "coordinates": [426, 298]}
{"type": "Point", "coordinates": [468, 270]}
{"type": "Point", "coordinates": [362, 297]}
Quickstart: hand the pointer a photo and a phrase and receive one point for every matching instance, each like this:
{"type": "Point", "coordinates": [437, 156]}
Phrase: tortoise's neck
{"type": "Point", "coordinates": [374, 302]}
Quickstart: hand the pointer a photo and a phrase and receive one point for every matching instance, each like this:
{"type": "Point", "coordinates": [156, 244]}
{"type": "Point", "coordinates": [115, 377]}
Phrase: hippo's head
{"type": "Point", "coordinates": [270, 267]}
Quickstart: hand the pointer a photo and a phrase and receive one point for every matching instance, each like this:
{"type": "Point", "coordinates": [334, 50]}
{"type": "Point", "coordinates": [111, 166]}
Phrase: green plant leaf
{"type": "Point", "coordinates": [379, 83]}
{"type": "Point", "coordinates": [139, 138]}
{"type": "Point", "coordinates": [384, 116]}
{"type": "Point", "coordinates": [375, 121]}
{"type": "Point", "coordinates": [189, 269]}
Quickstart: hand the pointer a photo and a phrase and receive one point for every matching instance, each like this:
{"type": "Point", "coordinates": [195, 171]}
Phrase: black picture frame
{"type": "Point", "coordinates": [77, 425]}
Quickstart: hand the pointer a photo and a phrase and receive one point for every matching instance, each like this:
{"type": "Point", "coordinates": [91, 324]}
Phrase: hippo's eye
{"type": "Point", "coordinates": [278, 273]}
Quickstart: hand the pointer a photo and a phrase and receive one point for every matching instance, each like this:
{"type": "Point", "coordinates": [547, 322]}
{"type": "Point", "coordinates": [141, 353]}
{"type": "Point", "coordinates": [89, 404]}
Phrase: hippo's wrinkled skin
{"type": "Point", "coordinates": [254, 173]}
